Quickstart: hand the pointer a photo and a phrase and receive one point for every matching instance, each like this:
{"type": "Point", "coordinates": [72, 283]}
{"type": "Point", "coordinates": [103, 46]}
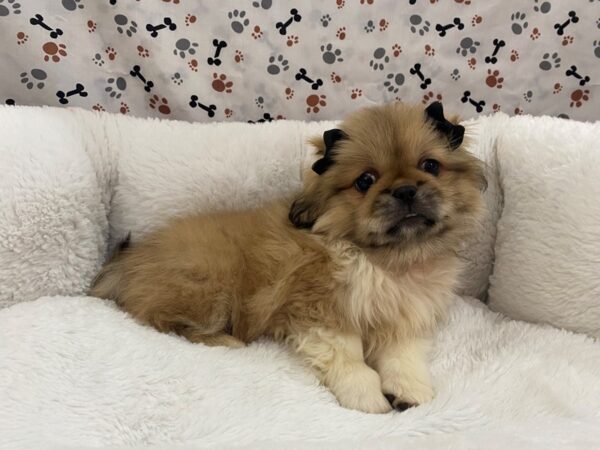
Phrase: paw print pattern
{"type": "Point", "coordinates": [418, 25]}
{"type": "Point", "coordinates": [34, 78]}
{"type": "Point", "coordinates": [115, 87]}
{"type": "Point", "coordinates": [9, 7]}
{"type": "Point", "coordinates": [527, 96]}
{"type": "Point", "coordinates": [455, 75]}
{"type": "Point", "coordinates": [596, 49]}
{"type": "Point", "coordinates": [431, 97]}
{"type": "Point", "coordinates": [355, 94]}
{"type": "Point", "coordinates": [550, 61]}
{"type": "Point", "coordinates": [393, 82]}
{"type": "Point", "coordinates": [185, 47]}
{"type": "Point", "coordinates": [380, 59]}
{"type": "Point", "coordinates": [277, 64]}
{"type": "Point", "coordinates": [325, 20]}
{"type": "Point", "coordinates": [467, 46]}
{"type": "Point", "coordinates": [518, 22]}
{"type": "Point", "coordinates": [125, 26]}
{"type": "Point", "coordinates": [330, 54]}
{"type": "Point", "coordinates": [161, 104]}
{"type": "Point", "coordinates": [177, 79]}
{"type": "Point", "coordinates": [542, 6]}
{"type": "Point", "coordinates": [579, 97]}
{"type": "Point", "coordinates": [239, 21]}
{"type": "Point", "coordinates": [493, 79]}
{"type": "Point", "coordinates": [315, 102]}
{"type": "Point", "coordinates": [72, 5]}
{"type": "Point", "coordinates": [22, 38]}
{"type": "Point", "coordinates": [97, 59]}
{"type": "Point", "coordinates": [54, 51]}
{"type": "Point", "coordinates": [221, 84]}
{"type": "Point", "coordinates": [369, 27]}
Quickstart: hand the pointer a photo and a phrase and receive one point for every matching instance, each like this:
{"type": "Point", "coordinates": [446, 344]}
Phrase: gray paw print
{"type": "Point", "coordinates": [549, 61]}
{"type": "Point", "coordinates": [527, 96]}
{"type": "Point", "coordinates": [11, 6]}
{"type": "Point", "coordinates": [72, 5]}
{"type": "Point", "coordinates": [260, 102]}
{"type": "Point", "coordinates": [418, 25]}
{"type": "Point", "coordinates": [98, 60]}
{"type": "Point", "coordinates": [519, 23]}
{"type": "Point", "coordinates": [116, 86]}
{"type": "Point", "coordinates": [35, 78]}
{"type": "Point", "coordinates": [183, 47]}
{"type": "Point", "coordinates": [455, 75]}
{"type": "Point", "coordinates": [544, 7]}
{"type": "Point", "coordinates": [125, 26]}
{"type": "Point", "coordinates": [379, 59]}
{"type": "Point", "coordinates": [277, 64]}
{"type": "Point", "coordinates": [393, 82]}
{"type": "Point", "coordinates": [264, 4]}
{"type": "Point", "coordinates": [597, 49]}
{"type": "Point", "coordinates": [369, 27]}
{"type": "Point", "coordinates": [239, 21]}
{"type": "Point", "coordinates": [467, 45]}
{"type": "Point", "coordinates": [176, 78]}
{"type": "Point", "coordinates": [325, 20]}
{"type": "Point", "coordinates": [330, 54]}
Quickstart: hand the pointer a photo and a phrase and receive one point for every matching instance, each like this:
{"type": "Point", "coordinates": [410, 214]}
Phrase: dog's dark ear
{"type": "Point", "coordinates": [304, 211]}
{"type": "Point", "coordinates": [330, 138]}
{"type": "Point", "coordinates": [454, 133]}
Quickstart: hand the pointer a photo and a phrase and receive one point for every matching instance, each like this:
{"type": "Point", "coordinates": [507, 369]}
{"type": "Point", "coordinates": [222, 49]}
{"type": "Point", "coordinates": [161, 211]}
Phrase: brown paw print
{"type": "Point", "coordinates": [535, 34]}
{"type": "Point", "coordinates": [495, 108]}
{"type": "Point", "coordinates": [289, 93]}
{"type": "Point", "coordinates": [429, 50]}
{"type": "Point", "coordinates": [340, 3]}
{"type": "Point", "coordinates": [472, 62]}
{"type": "Point", "coordinates": [335, 78]}
{"type": "Point", "coordinates": [514, 55]}
{"type": "Point", "coordinates": [111, 52]}
{"type": "Point", "coordinates": [383, 25]}
{"type": "Point", "coordinates": [463, 2]}
{"type": "Point", "coordinates": [91, 26]}
{"type": "Point", "coordinates": [341, 33]}
{"type": "Point", "coordinates": [190, 19]}
{"type": "Point", "coordinates": [143, 52]}
{"type": "Point", "coordinates": [257, 32]}
{"type": "Point", "coordinates": [159, 103]}
{"type": "Point", "coordinates": [430, 96]}
{"type": "Point", "coordinates": [367, 2]}
{"type": "Point", "coordinates": [518, 111]}
{"type": "Point", "coordinates": [228, 112]}
{"type": "Point", "coordinates": [22, 38]}
{"type": "Point", "coordinates": [476, 20]}
{"type": "Point", "coordinates": [98, 107]}
{"type": "Point", "coordinates": [124, 108]}
{"type": "Point", "coordinates": [567, 40]}
{"type": "Point", "coordinates": [557, 88]}
{"type": "Point", "coordinates": [220, 83]}
{"type": "Point", "coordinates": [494, 79]}
{"type": "Point", "coordinates": [54, 51]}
{"type": "Point", "coordinates": [193, 64]}
{"type": "Point", "coordinates": [579, 97]}
{"type": "Point", "coordinates": [238, 57]}
{"type": "Point", "coordinates": [315, 103]}
{"type": "Point", "coordinates": [396, 50]}
{"type": "Point", "coordinates": [356, 93]}
{"type": "Point", "coordinates": [292, 40]}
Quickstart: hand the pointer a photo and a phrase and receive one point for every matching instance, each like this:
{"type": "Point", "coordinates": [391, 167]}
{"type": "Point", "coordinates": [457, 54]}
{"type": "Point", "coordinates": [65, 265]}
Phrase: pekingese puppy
{"type": "Point", "coordinates": [353, 274]}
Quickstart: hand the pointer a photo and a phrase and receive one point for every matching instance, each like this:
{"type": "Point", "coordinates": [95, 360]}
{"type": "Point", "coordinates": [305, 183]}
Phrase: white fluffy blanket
{"type": "Point", "coordinates": [76, 371]}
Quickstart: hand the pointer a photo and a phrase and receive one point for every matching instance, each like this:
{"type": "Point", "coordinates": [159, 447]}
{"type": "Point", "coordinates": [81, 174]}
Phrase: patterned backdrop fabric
{"type": "Point", "coordinates": [257, 60]}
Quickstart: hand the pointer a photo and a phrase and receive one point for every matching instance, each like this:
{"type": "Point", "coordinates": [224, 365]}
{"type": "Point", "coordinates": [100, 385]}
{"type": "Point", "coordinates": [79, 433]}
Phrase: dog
{"type": "Point", "coordinates": [354, 273]}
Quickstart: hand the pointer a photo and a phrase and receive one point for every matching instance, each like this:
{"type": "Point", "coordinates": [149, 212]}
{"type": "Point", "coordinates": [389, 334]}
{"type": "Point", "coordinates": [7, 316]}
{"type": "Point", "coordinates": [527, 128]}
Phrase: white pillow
{"type": "Point", "coordinates": [547, 266]}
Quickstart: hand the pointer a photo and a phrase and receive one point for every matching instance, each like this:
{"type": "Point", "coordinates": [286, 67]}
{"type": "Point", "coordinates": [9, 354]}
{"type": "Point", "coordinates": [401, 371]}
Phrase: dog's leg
{"type": "Point", "coordinates": [404, 374]}
{"type": "Point", "coordinates": [212, 340]}
{"type": "Point", "coordinates": [338, 361]}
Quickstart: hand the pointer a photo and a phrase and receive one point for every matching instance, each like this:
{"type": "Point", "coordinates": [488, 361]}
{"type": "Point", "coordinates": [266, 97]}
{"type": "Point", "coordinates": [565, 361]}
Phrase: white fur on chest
{"type": "Point", "coordinates": [410, 302]}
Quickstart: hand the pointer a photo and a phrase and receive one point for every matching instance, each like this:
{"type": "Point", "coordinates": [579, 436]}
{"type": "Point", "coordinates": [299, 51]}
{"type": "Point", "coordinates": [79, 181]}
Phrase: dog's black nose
{"type": "Point", "coordinates": [405, 193]}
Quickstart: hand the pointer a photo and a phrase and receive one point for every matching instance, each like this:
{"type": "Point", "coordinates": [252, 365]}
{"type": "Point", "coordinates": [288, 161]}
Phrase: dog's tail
{"type": "Point", "coordinates": [107, 283]}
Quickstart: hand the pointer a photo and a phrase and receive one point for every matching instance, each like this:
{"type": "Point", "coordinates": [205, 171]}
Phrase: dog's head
{"type": "Point", "coordinates": [391, 175]}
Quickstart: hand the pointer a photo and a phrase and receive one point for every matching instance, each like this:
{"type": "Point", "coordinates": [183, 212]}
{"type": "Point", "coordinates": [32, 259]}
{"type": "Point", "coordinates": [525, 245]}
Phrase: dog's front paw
{"type": "Point", "coordinates": [361, 390]}
{"type": "Point", "coordinates": [403, 394]}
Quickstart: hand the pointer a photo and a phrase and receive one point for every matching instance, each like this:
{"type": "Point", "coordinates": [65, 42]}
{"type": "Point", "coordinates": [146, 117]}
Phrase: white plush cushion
{"type": "Point", "coordinates": [547, 266]}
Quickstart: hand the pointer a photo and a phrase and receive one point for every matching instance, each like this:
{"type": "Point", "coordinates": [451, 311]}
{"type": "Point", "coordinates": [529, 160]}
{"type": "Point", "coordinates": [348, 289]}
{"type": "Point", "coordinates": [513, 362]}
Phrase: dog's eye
{"type": "Point", "coordinates": [431, 166]}
{"type": "Point", "coordinates": [364, 182]}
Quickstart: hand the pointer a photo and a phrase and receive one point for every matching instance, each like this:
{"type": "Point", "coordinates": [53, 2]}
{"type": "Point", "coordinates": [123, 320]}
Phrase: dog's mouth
{"type": "Point", "coordinates": [411, 220]}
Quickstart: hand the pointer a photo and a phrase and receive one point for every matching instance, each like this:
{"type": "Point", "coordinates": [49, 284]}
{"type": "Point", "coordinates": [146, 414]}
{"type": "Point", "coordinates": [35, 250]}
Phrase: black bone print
{"type": "Point", "coordinates": [136, 72]}
{"type": "Point", "coordinates": [38, 19]}
{"type": "Point", "coordinates": [154, 29]}
{"type": "Point", "coordinates": [560, 27]}
{"type": "Point", "coordinates": [265, 118]}
{"type": "Point", "coordinates": [442, 29]}
{"type": "Point", "coordinates": [416, 70]}
{"type": "Point", "coordinates": [314, 84]}
{"type": "Point", "coordinates": [498, 44]}
{"type": "Point", "coordinates": [210, 109]}
{"type": "Point", "coordinates": [63, 96]}
{"type": "Point", "coordinates": [477, 104]}
{"type": "Point", "coordinates": [283, 26]}
{"type": "Point", "coordinates": [219, 45]}
{"type": "Point", "coordinates": [572, 72]}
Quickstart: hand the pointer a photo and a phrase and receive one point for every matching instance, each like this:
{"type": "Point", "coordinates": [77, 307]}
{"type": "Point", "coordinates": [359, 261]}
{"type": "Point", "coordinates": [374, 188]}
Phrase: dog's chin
{"type": "Point", "coordinates": [411, 223]}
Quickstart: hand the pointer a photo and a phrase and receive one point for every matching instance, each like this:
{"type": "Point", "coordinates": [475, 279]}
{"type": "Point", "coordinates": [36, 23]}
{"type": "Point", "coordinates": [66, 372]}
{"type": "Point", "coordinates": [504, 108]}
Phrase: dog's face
{"type": "Point", "coordinates": [393, 174]}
